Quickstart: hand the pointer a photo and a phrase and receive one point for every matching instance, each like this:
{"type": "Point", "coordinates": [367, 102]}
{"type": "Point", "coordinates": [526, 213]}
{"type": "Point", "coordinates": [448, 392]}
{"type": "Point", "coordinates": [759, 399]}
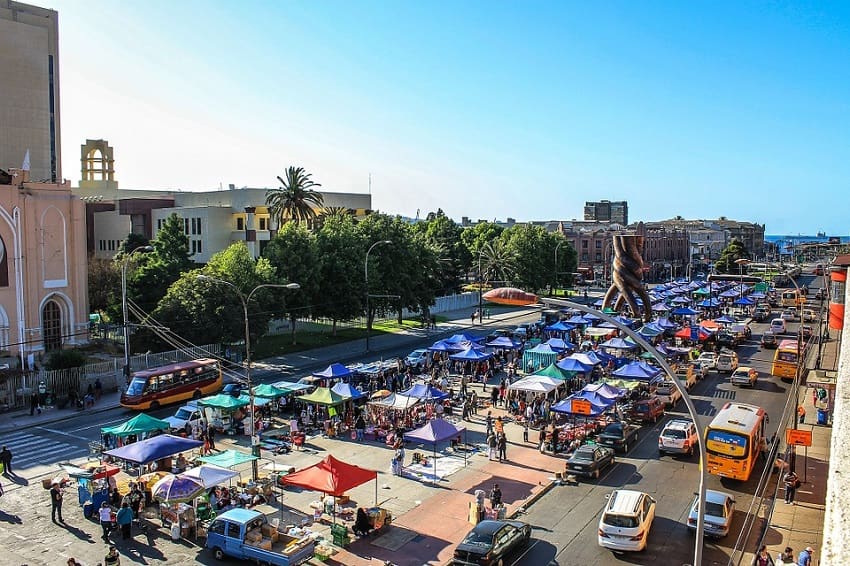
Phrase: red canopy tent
{"type": "Point", "coordinates": [333, 477]}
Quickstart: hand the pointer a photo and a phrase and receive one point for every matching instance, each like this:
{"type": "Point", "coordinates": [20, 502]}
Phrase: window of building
{"type": "Point", "coordinates": [240, 223]}
{"type": "Point", "coordinates": [51, 326]}
{"type": "Point", "coordinates": [199, 226]}
{"type": "Point", "coordinates": [186, 226]}
{"type": "Point", "coordinates": [598, 244]}
{"type": "Point", "coordinates": [200, 247]}
{"type": "Point", "coordinates": [598, 256]}
{"type": "Point", "coordinates": [584, 245]}
{"type": "Point", "coordinates": [194, 247]}
{"type": "Point", "coordinates": [262, 224]}
{"type": "Point", "coordinates": [194, 227]}
{"type": "Point", "coordinates": [585, 256]}
{"type": "Point", "coordinates": [159, 223]}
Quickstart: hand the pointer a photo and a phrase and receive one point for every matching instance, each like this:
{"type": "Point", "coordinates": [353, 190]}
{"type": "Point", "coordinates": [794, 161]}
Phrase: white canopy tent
{"type": "Point", "coordinates": [396, 402]}
{"type": "Point", "coordinates": [210, 475]}
{"type": "Point", "coordinates": [536, 384]}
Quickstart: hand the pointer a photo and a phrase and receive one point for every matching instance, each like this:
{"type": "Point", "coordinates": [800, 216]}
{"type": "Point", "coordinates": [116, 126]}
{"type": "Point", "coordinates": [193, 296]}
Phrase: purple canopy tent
{"type": "Point", "coordinates": [425, 392]}
{"type": "Point", "coordinates": [434, 431]}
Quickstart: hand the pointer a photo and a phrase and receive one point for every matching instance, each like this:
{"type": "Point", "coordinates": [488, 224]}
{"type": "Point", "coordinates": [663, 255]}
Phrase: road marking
{"type": "Point", "coordinates": [101, 425]}
{"type": "Point", "coordinates": [54, 431]}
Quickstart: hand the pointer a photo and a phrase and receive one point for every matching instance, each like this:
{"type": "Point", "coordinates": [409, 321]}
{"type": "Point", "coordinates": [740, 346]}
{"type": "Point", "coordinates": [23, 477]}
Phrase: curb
{"type": "Point", "coordinates": [533, 499]}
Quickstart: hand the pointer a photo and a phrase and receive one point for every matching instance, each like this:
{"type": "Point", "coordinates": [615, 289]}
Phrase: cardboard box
{"type": "Point", "coordinates": [253, 536]}
{"type": "Point", "coordinates": [265, 544]}
{"type": "Point", "coordinates": [267, 529]}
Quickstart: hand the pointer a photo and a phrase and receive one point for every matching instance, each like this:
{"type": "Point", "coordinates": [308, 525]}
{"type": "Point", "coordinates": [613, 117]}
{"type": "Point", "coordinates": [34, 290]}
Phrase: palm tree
{"type": "Point", "coordinates": [497, 262]}
{"type": "Point", "coordinates": [295, 200]}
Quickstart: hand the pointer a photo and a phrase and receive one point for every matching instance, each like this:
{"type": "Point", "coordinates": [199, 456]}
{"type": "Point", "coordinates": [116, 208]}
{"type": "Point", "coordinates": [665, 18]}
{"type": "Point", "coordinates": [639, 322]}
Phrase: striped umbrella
{"type": "Point", "coordinates": [177, 489]}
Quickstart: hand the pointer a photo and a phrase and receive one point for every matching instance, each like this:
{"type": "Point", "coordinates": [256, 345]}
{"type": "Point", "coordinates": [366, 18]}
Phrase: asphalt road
{"type": "Point", "coordinates": [565, 520]}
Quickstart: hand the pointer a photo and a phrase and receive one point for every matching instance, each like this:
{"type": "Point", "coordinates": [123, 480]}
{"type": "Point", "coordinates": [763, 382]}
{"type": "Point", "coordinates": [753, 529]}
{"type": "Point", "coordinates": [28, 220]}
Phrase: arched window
{"type": "Point", "coordinates": [51, 326]}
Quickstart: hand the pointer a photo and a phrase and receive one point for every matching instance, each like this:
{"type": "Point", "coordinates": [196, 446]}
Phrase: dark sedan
{"type": "Point", "coordinates": [489, 542]}
{"type": "Point", "coordinates": [590, 460]}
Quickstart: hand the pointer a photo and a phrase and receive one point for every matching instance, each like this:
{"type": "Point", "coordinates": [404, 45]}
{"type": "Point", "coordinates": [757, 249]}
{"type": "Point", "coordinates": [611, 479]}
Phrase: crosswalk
{"type": "Point", "coordinates": [31, 450]}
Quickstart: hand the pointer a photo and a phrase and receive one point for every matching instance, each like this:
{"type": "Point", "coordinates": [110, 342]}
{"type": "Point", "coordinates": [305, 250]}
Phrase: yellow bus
{"type": "Point", "coordinates": [734, 440]}
{"type": "Point", "coordinates": [785, 360]}
{"type": "Point", "coordinates": [791, 298]}
{"type": "Point", "coordinates": [155, 387]}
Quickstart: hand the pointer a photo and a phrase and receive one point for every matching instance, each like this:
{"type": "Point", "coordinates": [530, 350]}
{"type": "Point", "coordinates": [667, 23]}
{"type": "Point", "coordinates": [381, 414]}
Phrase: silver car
{"type": "Point", "coordinates": [719, 511]}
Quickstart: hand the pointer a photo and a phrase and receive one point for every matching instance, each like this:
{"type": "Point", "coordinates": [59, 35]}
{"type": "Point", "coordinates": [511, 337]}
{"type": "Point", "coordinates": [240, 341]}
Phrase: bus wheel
{"type": "Point", "coordinates": [154, 405]}
{"type": "Point", "coordinates": [197, 394]}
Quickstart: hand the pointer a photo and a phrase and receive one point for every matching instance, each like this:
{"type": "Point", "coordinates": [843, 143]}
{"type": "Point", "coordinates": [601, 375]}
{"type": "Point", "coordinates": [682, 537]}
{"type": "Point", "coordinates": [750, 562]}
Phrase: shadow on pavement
{"type": "Point", "coordinates": [9, 518]}
{"type": "Point", "coordinates": [79, 533]}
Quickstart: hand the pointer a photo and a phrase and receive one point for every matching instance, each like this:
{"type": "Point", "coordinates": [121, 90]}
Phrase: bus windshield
{"type": "Point", "coordinates": [728, 444]}
{"type": "Point", "coordinates": [137, 386]}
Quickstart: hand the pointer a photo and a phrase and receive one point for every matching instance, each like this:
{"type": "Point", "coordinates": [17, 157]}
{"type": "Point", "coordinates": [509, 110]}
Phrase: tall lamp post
{"type": "Point", "coordinates": [366, 277]}
{"type": "Point", "coordinates": [124, 308]}
{"type": "Point", "coordinates": [556, 263]}
{"type": "Point", "coordinates": [245, 300]}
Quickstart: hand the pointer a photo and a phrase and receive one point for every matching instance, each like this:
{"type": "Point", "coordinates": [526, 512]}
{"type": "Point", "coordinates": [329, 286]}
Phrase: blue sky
{"type": "Point", "coordinates": [485, 109]}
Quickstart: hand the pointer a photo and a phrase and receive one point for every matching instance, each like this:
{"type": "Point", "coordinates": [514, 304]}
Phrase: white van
{"type": "Point", "coordinates": [777, 326]}
{"type": "Point", "coordinates": [626, 520]}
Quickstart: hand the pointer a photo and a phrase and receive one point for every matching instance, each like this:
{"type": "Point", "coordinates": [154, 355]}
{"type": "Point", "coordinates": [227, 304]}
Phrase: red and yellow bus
{"type": "Point", "coordinates": [155, 387]}
{"type": "Point", "coordinates": [785, 360]}
{"type": "Point", "coordinates": [734, 440]}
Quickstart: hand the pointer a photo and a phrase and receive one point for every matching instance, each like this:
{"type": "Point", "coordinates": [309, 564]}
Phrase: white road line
{"type": "Point", "coordinates": [30, 443]}
{"type": "Point", "coordinates": [54, 431]}
{"type": "Point", "coordinates": [101, 425]}
{"type": "Point", "coordinates": [37, 458]}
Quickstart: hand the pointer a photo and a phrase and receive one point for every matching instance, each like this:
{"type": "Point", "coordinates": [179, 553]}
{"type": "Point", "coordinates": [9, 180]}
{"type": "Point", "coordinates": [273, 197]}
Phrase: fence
{"type": "Point", "coordinates": [16, 386]}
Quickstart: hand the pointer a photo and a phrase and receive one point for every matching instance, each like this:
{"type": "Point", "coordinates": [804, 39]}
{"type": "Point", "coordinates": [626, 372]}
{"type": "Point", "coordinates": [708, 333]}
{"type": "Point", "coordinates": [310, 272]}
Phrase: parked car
{"type": "Point", "coordinates": [188, 413]}
{"type": "Point", "coordinates": [417, 359]}
{"type": "Point", "coordinates": [744, 375]}
{"type": "Point", "coordinates": [618, 436]}
{"type": "Point", "coordinates": [708, 358]}
{"type": "Point", "coordinates": [777, 326]}
{"type": "Point", "coordinates": [742, 331]}
{"type": "Point", "coordinates": [809, 315]}
{"type": "Point", "coordinates": [489, 542]}
{"type": "Point", "coordinates": [589, 460]}
{"type": "Point", "coordinates": [700, 369]}
{"type": "Point", "coordinates": [646, 410]}
{"type": "Point", "coordinates": [235, 389]}
{"type": "Point", "coordinates": [679, 436]}
{"type": "Point", "coordinates": [725, 339]}
{"type": "Point", "coordinates": [232, 534]}
{"type": "Point", "coordinates": [761, 314]}
{"type": "Point", "coordinates": [667, 392]}
{"type": "Point", "coordinates": [626, 520]}
{"type": "Point", "coordinates": [727, 361]}
{"type": "Point", "coordinates": [806, 331]}
{"type": "Point", "coordinates": [769, 340]}
{"type": "Point", "coordinates": [717, 518]}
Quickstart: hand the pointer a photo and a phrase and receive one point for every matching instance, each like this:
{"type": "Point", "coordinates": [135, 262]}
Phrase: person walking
{"type": "Point", "coordinates": [792, 482]}
{"type": "Point", "coordinates": [502, 446]}
{"type": "Point", "coordinates": [492, 443]}
{"type": "Point", "coordinates": [488, 423]}
{"type": "Point", "coordinates": [211, 437]}
{"type": "Point", "coordinates": [6, 461]}
{"type": "Point", "coordinates": [525, 431]}
{"type": "Point", "coordinates": [762, 557]}
{"type": "Point", "coordinates": [56, 502]}
{"type": "Point", "coordinates": [805, 556]}
{"type": "Point", "coordinates": [785, 557]}
{"type": "Point", "coordinates": [495, 497]}
{"type": "Point", "coordinates": [124, 518]}
{"type": "Point", "coordinates": [801, 414]}
{"type": "Point", "coordinates": [137, 497]}
{"type": "Point", "coordinates": [360, 427]}
{"type": "Point", "coordinates": [105, 516]}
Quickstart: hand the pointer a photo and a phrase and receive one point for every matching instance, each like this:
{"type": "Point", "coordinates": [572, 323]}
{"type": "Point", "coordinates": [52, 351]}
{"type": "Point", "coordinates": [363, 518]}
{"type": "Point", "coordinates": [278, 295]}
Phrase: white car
{"type": "Point", "coordinates": [189, 413]}
{"type": "Point", "coordinates": [708, 359]}
{"type": "Point", "coordinates": [626, 520]}
{"type": "Point", "coordinates": [667, 393]}
{"type": "Point", "coordinates": [727, 361]}
{"type": "Point", "coordinates": [701, 369]}
{"type": "Point", "coordinates": [777, 326]}
{"type": "Point", "coordinates": [789, 315]}
{"type": "Point", "coordinates": [417, 359]}
{"type": "Point", "coordinates": [809, 315]}
{"type": "Point", "coordinates": [678, 437]}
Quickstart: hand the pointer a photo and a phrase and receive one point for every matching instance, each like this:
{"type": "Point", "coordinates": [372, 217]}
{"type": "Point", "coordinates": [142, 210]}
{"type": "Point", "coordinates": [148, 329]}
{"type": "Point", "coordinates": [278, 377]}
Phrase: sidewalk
{"type": "Point", "coordinates": [301, 362]}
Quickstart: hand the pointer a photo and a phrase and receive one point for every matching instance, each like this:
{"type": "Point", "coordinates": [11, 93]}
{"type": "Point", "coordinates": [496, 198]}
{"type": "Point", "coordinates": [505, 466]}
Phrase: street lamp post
{"type": "Point", "coordinates": [556, 263]}
{"type": "Point", "coordinates": [640, 340]}
{"type": "Point", "coordinates": [366, 277]}
{"type": "Point", "coordinates": [124, 308]}
{"type": "Point", "coordinates": [480, 288]}
{"type": "Point", "coordinates": [245, 299]}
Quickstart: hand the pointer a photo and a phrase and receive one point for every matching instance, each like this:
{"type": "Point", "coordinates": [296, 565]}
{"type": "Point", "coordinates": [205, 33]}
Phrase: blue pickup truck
{"type": "Point", "coordinates": [247, 535]}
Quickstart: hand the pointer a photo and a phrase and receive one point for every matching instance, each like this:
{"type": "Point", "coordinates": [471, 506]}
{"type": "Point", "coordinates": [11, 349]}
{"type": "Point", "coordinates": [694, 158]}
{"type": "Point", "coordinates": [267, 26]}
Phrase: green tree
{"type": "Point", "coordinates": [533, 254]}
{"type": "Point", "coordinates": [294, 254]}
{"type": "Point", "coordinates": [295, 199]}
{"type": "Point", "coordinates": [566, 262]}
{"type": "Point", "coordinates": [731, 253]}
{"type": "Point", "coordinates": [497, 262]}
{"type": "Point", "coordinates": [340, 292]}
{"type": "Point", "coordinates": [104, 285]}
{"type": "Point", "coordinates": [476, 236]}
{"type": "Point", "coordinates": [443, 235]}
{"type": "Point", "coordinates": [132, 242]}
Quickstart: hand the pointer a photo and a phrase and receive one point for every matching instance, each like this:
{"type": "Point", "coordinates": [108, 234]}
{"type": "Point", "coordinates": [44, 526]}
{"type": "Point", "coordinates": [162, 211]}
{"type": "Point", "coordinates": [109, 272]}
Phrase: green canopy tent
{"type": "Point", "coordinates": [228, 459]}
{"type": "Point", "coordinates": [553, 370]}
{"type": "Point", "coordinates": [223, 401]}
{"type": "Point", "coordinates": [270, 391]}
{"type": "Point", "coordinates": [323, 396]}
{"type": "Point", "coordinates": [139, 424]}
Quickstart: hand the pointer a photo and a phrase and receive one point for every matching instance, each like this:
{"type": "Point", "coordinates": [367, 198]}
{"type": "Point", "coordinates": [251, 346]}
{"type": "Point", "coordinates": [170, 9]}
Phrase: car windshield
{"type": "Point", "coordinates": [622, 521]}
{"type": "Point", "coordinates": [479, 538]}
{"type": "Point", "coordinates": [674, 433]}
{"type": "Point", "coordinates": [183, 414]}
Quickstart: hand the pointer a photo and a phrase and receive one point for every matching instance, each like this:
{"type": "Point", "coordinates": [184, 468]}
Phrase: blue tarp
{"type": "Point", "coordinates": [152, 449]}
{"type": "Point", "coordinates": [637, 370]}
{"type": "Point", "coordinates": [573, 365]}
{"type": "Point", "coordinates": [471, 355]}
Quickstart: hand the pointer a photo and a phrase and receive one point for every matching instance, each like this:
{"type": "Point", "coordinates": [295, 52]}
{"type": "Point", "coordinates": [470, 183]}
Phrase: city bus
{"type": "Point", "coordinates": [734, 440]}
{"type": "Point", "coordinates": [155, 387]}
{"type": "Point", "coordinates": [791, 298]}
{"type": "Point", "coordinates": [785, 360]}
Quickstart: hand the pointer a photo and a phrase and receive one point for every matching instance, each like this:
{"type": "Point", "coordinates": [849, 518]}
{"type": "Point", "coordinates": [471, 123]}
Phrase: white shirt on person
{"type": "Point", "coordinates": [105, 514]}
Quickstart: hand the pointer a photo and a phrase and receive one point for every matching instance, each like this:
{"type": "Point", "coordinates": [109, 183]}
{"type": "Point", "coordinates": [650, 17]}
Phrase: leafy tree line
{"type": "Point", "coordinates": [325, 254]}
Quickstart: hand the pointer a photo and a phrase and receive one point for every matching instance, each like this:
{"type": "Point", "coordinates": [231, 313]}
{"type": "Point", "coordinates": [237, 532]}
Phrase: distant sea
{"type": "Point", "coordinates": [799, 239]}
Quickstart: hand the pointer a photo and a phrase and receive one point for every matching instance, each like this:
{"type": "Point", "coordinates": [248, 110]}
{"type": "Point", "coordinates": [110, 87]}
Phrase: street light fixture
{"type": "Point", "coordinates": [366, 276]}
{"type": "Point", "coordinates": [126, 261]}
{"type": "Point", "coordinates": [245, 300]}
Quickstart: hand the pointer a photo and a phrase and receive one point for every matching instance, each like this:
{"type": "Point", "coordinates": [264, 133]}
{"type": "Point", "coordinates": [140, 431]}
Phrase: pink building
{"type": "Point", "coordinates": [43, 277]}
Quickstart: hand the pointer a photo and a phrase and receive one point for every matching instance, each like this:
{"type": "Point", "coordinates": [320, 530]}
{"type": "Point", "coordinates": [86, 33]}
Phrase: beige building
{"type": "Point", "coordinates": [212, 219]}
{"type": "Point", "coordinates": [43, 279]}
{"type": "Point", "coordinates": [29, 90]}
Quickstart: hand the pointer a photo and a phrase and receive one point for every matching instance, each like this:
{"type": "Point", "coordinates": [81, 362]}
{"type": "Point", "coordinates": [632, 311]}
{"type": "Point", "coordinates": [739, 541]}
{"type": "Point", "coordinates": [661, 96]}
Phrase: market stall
{"type": "Point", "coordinates": [538, 358]}
{"type": "Point", "coordinates": [328, 401]}
{"type": "Point", "coordinates": [224, 412]}
{"type": "Point", "coordinates": [138, 426]}
{"type": "Point", "coordinates": [389, 413]}
{"type": "Point", "coordinates": [434, 432]}
{"type": "Point", "coordinates": [154, 452]}
{"type": "Point", "coordinates": [175, 493]}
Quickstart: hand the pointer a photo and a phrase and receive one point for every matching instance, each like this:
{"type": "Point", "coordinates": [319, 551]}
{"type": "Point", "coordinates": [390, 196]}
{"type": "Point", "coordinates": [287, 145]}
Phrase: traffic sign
{"type": "Point", "coordinates": [797, 437]}
{"type": "Point", "coordinates": [582, 407]}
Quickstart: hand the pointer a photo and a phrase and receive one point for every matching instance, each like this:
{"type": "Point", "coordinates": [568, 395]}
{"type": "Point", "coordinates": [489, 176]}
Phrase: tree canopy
{"type": "Point", "coordinates": [295, 199]}
{"type": "Point", "coordinates": [729, 255]}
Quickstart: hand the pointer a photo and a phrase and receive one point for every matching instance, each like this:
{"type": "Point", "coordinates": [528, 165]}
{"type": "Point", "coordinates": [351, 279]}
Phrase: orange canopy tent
{"type": "Point", "coordinates": [331, 476]}
{"type": "Point", "coordinates": [510, 296]}
{"type": "Point", "coordinates": [710, 324]}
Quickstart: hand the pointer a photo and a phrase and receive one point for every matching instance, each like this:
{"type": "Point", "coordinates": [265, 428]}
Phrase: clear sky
{"type": "Point", "coordinates": [486, 109]}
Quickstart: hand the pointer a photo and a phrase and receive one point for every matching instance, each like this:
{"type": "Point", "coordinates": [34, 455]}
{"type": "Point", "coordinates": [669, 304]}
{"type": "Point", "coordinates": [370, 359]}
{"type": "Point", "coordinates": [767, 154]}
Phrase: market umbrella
{"type": "Point", "coordinates": [684, 311]}
{"type": "Point", "coordinates": [177, 489]}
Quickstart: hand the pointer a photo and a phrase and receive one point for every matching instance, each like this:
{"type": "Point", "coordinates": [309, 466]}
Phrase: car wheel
{"type": "Point", "coordinates": [218, 553]}
{"type": "Point", "coordinates": [154, 405]}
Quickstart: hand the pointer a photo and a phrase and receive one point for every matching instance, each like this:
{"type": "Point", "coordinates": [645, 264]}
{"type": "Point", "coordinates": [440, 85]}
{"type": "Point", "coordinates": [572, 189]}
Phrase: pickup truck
{"type": "Point", "coordinates": [189, 413]}
{"type": "Point", "coordinates": [247, 535]}
{"type": "Point", "coordinates": [618, 436]}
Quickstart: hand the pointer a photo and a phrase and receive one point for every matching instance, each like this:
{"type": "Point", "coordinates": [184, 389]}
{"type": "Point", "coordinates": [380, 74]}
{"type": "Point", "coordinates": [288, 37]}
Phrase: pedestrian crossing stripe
{"type": "Point", "coordinates": [29, 449]}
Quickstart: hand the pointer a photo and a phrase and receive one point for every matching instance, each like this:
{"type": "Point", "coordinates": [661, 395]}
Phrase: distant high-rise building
{"type": "Point", "coordinates": [607, 211]}
{"type": "Point", "coordinates": [29, 90]}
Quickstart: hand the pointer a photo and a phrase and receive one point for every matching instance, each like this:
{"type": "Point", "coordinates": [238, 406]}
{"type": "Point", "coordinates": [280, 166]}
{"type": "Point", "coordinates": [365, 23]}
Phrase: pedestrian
{"type": "Point", "coordinates": [56, 502]}
{"type": "Point", "coordinates": [525, 431]}
{"type": "Point", "coordinates": [464, 382]}
{"type": "Point", "coordinates": [492, 444]}
{"type": "Point", "coordinates": [98, 389]}
{"type": "Point", "coordinates": [805, 557]}
{"type": "Point", "coordinates": [124, 518]}
{"type": "Point", "coordinates": [360, 427]}
{"type": "Point", "coordinates": [792, 482]}
{"type": "Point", "coordinates": [762, 557]}
{"type": "Point", "coordinates": [786, 557]}
{"type": "Point", "coordinates": [105, 516]}
{"type": "Point", "coordinates": [473, 317]}
{"type": "Point", "coordinates": [495, 497]}
{"type": "Point", "coordinates": [489, 424]}
{"type": "Point", "coordinates": [112, 557]}
{"type": "Point", "coordinates": [136, 499]}
{"type": "Point", "coordinates": [6, 461]}
{"type": "Point", "coordinates": [211, 437]}
{"type": "Point", "coordinates": [541, 437]}
{"type": "Point", "coordinates": [502, 446]}
{"type": "Point", "coordinates": [801, 414]}
{"type": "Point", "coordinates": [494, 396]}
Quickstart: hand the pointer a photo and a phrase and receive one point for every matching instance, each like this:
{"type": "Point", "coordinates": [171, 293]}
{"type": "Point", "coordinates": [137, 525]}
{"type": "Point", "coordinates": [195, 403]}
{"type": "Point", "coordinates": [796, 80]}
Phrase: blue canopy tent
{"type": "Point", "coordinates": [334, 371]}
{"type": "Point", "coordinates": [565, 406]}
{"type": "Point", "coordinates": [559, 326]}
{"type": "Point", "coordinates": [504, 343]}
{"type": "Point", "coordinates": [153, 449]}
{"type": "Point", "coordinates": [559, 345]}
{"type": "Point", "coordinates": [347, 390]}
{"type": "Point", "coordinates": [637, 370]}
{"type": "Point", "coordinates": [471, 355]}
{"type": "Point", "coordinates": [618, 344]}
{"type": "Point", "coordinates": [425, 392]}
{"type": "Point", "coordinates": [665, 324]}
{"type": "Point", "coordinates": [443, 346]}
{"type": "Point", "coordinates": [744, 301]}
{"type": "Point", "coordinates": [434, 431]}
{"type": "Point", "coordinates": [463, 337]}
{"type": "Point", "coordinates": [595, 397]}
{"type": "Point", "coordinates": [660, 307]}
{"type": "Point", "coordinates": [587, 358]}
{"type": "Point", "coordinates": [605, 390]}
{"type": "Point", "coordinates": [682, 300]}
{"type": "Point", "coordinates": [711, 303]}
{"type": "Point", "coordinates": [576, 319]}
{"type": "Point", "coordinates": [725, 319]}
{"type": "Point", "coordinates": [684, 311]}
{"type": "Point", "coordinates": [574, 366]}
{"type": "Point", "coordinates": [650, 330]}
{"type": "Point", "coordinates": [539, 357]}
